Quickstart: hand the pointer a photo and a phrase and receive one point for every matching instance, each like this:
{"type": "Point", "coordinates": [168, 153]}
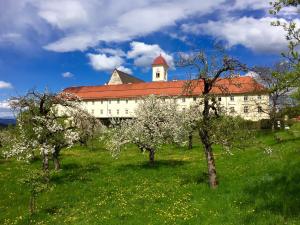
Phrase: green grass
{"type": "Point", "coordinates": [94, 188]}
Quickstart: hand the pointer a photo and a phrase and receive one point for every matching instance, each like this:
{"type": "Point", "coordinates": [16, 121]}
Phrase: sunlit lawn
{"type": "Point", "coordinates": [94, 188]}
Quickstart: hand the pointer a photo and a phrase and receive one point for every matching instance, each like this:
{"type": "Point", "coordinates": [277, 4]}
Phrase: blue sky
{"type": "Point", "coordinates": [55, 44]}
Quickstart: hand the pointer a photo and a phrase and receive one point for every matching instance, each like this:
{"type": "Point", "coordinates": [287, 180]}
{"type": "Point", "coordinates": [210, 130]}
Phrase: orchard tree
{"type": "Point", "coordinates": [207, 72]}
{"type": "Point", "coordinates": [190, 119]}
{"type": "Point", "coordinates": [48, 123]}
{"type": "Point", "coordinates": [156, 123]}
{"type": "Point", "coordinates": [88, 127]}
{"type": "Point", "coordinates": [291, 27]}
{"type": "Point", "coordinates": [280, 81]}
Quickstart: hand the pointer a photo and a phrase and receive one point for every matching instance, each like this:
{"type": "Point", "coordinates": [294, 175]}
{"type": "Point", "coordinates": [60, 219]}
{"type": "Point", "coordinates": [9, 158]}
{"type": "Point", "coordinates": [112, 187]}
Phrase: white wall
{"type": "Point", "coordinates": [162, 70]}
{"type": "Point", "coordinates": [109, 108]}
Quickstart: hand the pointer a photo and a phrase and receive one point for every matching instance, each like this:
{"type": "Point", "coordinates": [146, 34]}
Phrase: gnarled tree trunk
{"type": "Point", "coordinates": [206, 141]}
{"type": "Point", "coordinates": [212, 173]}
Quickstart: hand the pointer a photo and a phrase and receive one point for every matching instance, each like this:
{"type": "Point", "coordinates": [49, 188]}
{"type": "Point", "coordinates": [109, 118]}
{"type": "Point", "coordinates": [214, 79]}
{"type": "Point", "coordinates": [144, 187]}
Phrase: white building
{"type": "Point", "coordinates": [241, 96]}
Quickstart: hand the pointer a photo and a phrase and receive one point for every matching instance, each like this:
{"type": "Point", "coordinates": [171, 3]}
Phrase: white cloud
{"type": "Point", "coordinates": [144, 54]}
{"type": "Point", "coordinates": [80, 24]}
{"type": "Point", "coordinates": [67, 75]}
{"type": "Point", "coordinates": [4, 104]}
{"type": "Point", "coordinates": [63, 14]}
{"type": "Point", "coordinates": [125, 69]}
{"type": "Point", "coordinates": [256, 34]}
{"type": "Point", "coordinates": [4, 85]}
{"type": "Point", "coordinates": [250, 4]}
{"type": "Point", "coordinates": [5, 110]}
{"type": "Point", "coordinates": [70, 25]}
{"type": "Point", "coordinates": [112, 51]}
{"type": "Point", "coordinates": [102, 62]}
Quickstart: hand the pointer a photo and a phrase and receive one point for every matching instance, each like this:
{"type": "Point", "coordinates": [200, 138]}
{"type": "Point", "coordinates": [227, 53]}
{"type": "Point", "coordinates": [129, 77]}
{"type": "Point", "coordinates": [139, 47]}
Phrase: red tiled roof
{"type": "Point", "coordinates": [237, 85]}
{"type": "Point", "coordinates": [159, 61]}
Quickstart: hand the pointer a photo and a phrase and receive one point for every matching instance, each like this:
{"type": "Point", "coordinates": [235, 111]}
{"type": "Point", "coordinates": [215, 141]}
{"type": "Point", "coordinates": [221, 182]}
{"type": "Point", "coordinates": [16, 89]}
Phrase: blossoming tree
{"type": "Point", "coordinates": [156, 123]}
{"type": "Point", "coordinates": [43, 126]}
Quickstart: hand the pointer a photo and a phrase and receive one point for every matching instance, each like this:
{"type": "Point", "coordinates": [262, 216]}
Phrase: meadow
{"type": "Point", "coordinates": [256, 187]}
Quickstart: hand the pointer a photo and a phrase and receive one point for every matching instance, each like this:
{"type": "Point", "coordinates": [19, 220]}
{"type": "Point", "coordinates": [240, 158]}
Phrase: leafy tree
{"type": "Point", "coordinates": [208, 70]}
{"type": "Point", "coordinates": [155, 124]}
{"type": "Point", "coordinates": [281, 81]}
{"type": "Point", "coordinates": [292, 29]}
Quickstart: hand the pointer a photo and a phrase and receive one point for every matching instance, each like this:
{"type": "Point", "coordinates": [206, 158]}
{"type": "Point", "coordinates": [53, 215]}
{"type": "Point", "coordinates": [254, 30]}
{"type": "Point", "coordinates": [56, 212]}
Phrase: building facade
{"type": "Point", "coordinates": [237, 96]}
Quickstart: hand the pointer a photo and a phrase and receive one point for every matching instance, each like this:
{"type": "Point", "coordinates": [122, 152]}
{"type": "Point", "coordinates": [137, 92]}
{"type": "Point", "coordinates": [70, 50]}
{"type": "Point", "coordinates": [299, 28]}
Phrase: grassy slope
{"type": "Point", "coordinates": [93, 188]}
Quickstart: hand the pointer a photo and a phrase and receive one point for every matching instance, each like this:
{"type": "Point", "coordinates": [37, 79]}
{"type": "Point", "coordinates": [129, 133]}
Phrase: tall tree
{"type": "Point", "coordinates": [291, 27]}
{"type": "Point", "coordinates": [281, 81]}
{"type": "Point", "coordinates": [208, 70]}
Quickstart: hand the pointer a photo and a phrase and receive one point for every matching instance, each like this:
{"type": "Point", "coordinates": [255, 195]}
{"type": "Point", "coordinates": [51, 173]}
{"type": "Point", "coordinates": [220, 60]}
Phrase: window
{"type": "Point", "coordinates": [135, 100]}
{"type": "Point", "coordinates": [246, 109]}
{"type": "Point", "coordinates": [118, 101]}
{"type": "Point", "coordinates": [194, 99]}
{"type": "Point", "coordinates": [163, 99]}
{"type": "Point", "coordinates": [259, 109]}
{"type": "Point", "coordinates": [245, 98]}
{"type": "Point", "coordinates": [259, 97]}
{"type": "Point", "coordinates": [126, 111]}
{"type": "Point", "coordinates": [109, 101]}
{"type": "Point", "coordinates": [219, 99]}
{"type": "Point", "coordinates": [126, 101]}
{"type": "Point", "coordinates": [231, 98]}
{"type": "Point", "coordinates": [109, 111]}
{"type": "Point", "coordinates": [231, 109]}
{"type": "Point", "coordinates": [93, 111]}
{"type": "Point", "coordinates": [93, 103]}
{"type": "Point", "coordinates": [183, 99]}
{"type": "Point", "coordinates": [118, 111]}
{"type": "Point", "coordinates": [101, 101]}
{"type": "Point", "coordinates": [157, 74]}
{"type": "Point", "coordinates": [101, 111]}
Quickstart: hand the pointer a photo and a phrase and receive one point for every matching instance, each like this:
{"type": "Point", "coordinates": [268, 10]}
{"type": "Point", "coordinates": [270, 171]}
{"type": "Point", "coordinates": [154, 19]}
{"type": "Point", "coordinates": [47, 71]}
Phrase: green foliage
{"type": "Point", "coordinates": [292, 29]}
{"type": "Point", "coordinates": [94, 188]}
{"type": "Point", "coordinates": [291, 112]}
{"type": "Point", "coordinates": [295, 130]}
{"type": "Point", "coordinates": [36, 181]}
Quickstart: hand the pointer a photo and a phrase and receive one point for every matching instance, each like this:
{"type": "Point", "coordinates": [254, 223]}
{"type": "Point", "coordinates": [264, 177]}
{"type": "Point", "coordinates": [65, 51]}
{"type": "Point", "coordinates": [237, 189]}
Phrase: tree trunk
{"type": "Point", "coordinates": [190, 141]}
{"type": "Point", "coordinates": [212, 173]}
{"type": "Point", "coordinates": [151, 156]}
{"type": "Point", "coordinates": [45, 162]}
{"type": "Point", "coordinates": [31, 205]}
{"type": "Point", "coordinates": [205, 138]}
{"type": "Point", "coordinates": [56, 162]}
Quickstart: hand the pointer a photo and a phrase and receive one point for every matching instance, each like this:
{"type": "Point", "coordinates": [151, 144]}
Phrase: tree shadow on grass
{"type": "Point", "coordinates": [278, 194]}
{"type": "Point", "coordinates": [157, 165]}
{"type": "Point", "coordinates": [195, 179]}
{"type": "Point", "coordinates": [73, 172]}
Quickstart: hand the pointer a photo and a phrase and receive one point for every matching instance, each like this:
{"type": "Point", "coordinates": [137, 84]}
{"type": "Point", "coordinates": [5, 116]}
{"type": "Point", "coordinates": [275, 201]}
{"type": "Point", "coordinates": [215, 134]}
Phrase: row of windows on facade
{"type": "Point", "coordinates": [246, 109]}
{"type": "Point", "coordinates": [109, 111]}
{"type": "Point", "coordinates": [183, 99]}
{"type": "Point", "coordinates": [231, 109]}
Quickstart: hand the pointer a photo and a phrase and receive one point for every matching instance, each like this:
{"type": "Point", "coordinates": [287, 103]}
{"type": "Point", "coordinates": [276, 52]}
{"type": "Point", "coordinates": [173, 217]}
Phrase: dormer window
{"type": "Point", "coordinates": [157, 74]}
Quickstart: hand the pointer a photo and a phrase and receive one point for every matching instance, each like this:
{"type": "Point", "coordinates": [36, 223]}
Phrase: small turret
{"type": "Point", "coordinates": [159, 69]}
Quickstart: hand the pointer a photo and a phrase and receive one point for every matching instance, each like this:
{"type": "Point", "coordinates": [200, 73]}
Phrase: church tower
{"type": "Point", "coordinates": [159, 69]}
